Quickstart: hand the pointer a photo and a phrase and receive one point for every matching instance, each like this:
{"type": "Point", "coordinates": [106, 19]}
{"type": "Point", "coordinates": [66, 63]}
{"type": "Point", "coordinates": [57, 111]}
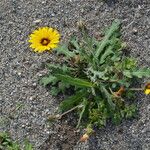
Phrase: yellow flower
{"type": "Point", "coordinates": [147, 89]}
{"type": "Point", "coordinates": [44, 39]}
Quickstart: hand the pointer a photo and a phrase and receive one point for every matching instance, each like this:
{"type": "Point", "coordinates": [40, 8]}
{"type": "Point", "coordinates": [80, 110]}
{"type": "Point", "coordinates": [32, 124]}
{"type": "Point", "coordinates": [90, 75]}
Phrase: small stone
{"type": "Point", "coordinates": [135, 31]}
{"type": "Point", "coordinates": [19, 73]}
{"type": "Point", "coordinates": [48, 132]}
{"type": "Point", "coordinates": [34, 84]}
{"type": "Point", "coordinates": [47, 110]}
{"type": "Point", "coordinates": [40, 75]}
{"type": "Point", "coordinates": [43, 2]}
{"type": "Point", "coordinates": [31, 98]}
{"type": "Point", "coordinates": [52, 14]}
{"type": "Point", "coordinates": [23, 126]}
{"type": "Point", "coordinates": [37, 21]}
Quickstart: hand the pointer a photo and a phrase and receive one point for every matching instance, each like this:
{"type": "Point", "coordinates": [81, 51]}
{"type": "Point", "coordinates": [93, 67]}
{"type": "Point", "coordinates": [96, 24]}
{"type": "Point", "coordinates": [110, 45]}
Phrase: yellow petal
{"type": "Point", "coordinates": [147, 91]}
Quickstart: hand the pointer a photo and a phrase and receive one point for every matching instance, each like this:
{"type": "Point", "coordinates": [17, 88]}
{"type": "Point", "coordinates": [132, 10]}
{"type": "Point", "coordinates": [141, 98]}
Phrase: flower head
{"type": "Point", "coordinates": [147, 89]}
{"type": "Point", "coordinates": [119, 92]}
{"type": "Point", "coordinates": [44, 39]}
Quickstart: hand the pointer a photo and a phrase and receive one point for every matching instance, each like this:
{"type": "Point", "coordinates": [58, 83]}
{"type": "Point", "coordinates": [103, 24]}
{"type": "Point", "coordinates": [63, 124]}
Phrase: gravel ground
{"type": "Point", "coordinates": [24, 104]}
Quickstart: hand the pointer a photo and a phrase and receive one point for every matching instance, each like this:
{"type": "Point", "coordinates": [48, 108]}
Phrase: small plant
{"type": "Point", "coordinates": [99, 78]}
{"type": "Point", "coordinates": [6, 143]}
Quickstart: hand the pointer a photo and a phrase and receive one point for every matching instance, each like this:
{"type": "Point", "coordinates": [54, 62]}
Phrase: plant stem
{"type": "Point", "coordinates": [70, 110]}
{"type": "Point", "coordinates": [111, 81]}
{"type": "Point", "coordinates": [136, 89]}
{"type": "Point", "coordinates": [58, 116]}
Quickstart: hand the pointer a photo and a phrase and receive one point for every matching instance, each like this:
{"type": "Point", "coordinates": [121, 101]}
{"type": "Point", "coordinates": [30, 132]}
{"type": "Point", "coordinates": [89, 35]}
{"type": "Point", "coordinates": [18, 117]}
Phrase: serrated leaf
{"type": "Point", "coordinates": [94, 75]}
{"type": "Point", "coordinates": [130, 111]}
{"type": "Point", "coordinates": [56, 68]}
{"type": "Point", "coordinates": [64, 50]}
{"type": "Point", "coordinates": [72, 101]}
{"type": "Point", "coordinates": [75, 43]}
{"type": "Point", "coordinates": [117, 118]}
{"type": "Point", "coordinates": [129, 63]}
{"type": "Point", "coordinates": [54, 91]}
{"type": "Point", "coordinates": [108, 97]}
{"type": "Point", "coordinates": [48, 80]}
{"type": "Point", "coordinates": [144, 72]}
{"type": "Point", "coordinates": [112, 30]}
{"type": "Point", "coordinates": [106, 54]}
{"type": "Point", "coordinates": [74, 81]}
{"type": "Point", "coordinates": [62, 86]}
{"type": "Point", "coordinates": [127, 73]}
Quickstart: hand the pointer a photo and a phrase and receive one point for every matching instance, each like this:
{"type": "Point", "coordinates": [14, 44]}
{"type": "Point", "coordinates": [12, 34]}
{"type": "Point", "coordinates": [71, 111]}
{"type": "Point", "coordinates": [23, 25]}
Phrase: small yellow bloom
{"type": "Point", "coordinates": [147, 89]}
{"type": "Point", "coordinates": [44, 39]}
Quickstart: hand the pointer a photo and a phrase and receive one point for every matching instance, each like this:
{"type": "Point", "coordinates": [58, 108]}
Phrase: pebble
{"type": "Point", "coordinates": [19, 73]}
{"type": "Point", "coordinates": [135, 31]}
{"type": "Point", "coordinates": [37, 21]}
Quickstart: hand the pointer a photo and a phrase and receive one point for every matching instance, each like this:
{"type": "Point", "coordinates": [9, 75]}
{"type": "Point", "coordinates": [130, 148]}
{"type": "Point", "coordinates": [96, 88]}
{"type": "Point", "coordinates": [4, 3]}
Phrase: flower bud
{"type": "Point", "coordinates": [84, 138]}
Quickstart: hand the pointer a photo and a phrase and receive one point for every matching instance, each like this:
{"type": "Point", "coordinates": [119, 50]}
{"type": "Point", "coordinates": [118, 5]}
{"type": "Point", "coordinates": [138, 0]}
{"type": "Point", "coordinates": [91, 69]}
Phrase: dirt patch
{"type": "Point", "coordinates": [63, 138]}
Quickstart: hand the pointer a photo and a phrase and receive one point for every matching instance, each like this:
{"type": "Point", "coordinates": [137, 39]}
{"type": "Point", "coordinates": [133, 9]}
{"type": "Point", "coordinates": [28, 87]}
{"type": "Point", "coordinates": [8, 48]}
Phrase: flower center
{"type": "Point", "coordinates": [148, 86]}
{"type": "Point", "coordinates": [45, 41]}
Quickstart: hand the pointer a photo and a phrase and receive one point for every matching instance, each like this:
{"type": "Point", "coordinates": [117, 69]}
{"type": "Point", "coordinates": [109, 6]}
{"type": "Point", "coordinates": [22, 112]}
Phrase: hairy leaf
{"type": "Point", "coordinates": [48, 80]}
{"type": "Point", "coordinates": [108, 97]}
{"type": "Point", "coordinates": [57, 68]}
{"type": "Point", "coordinates": [144, 72]}
{"type": "Point", "coordinates": [75, 43]}
{"type": "Point", "coordinates": [64, 50]}
{"type": "Point", "coordinates": [115, 27]}
{"type": "Point", "coordinates": [106, 54]}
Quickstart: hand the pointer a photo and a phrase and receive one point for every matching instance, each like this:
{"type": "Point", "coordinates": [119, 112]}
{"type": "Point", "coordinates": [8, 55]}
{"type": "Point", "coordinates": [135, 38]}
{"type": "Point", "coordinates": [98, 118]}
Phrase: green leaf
{"type": "Point", "coordinates": [106, 54]}
{"type": "Point", "coordinates": [64, 50]}
{"type": "Point", "coordinates": [75, 43]}
{"type": "Point", "coordinates": [57, 68]}
{"type": "Point", "coordinates": [48, 80]}
{"type": "Point", "coordinates": [144, 72]}
{"type": "Point", "coordinates": [54, 91]}
{"type": "Point", "coordinates": [117, 118]}
{"type": "Point", "coordinates": [85, 102]}
{"type": "Point", "coordinates": [113, 29]}
{"type": "Point", "coordinates": [94, 75]}
{"type": "Point", "coordinates": [14, 146]}
{"type": "Point", "coordinates": [127, 73]}
{"type": "Point", "coordinates": [74, 81]}
{"type": "Point", "coordinates": [63, 86]}
{"type": "Point", "coordinates": [28, 146]}
{"type": "Point", "coordinates": [130, 111]}
{"type": "Point", "coordinates": [108, 97]}
{"type": "Point", "coordinates": [129, 63]}
{"type": "Point", "coordinates": [72, 101]}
